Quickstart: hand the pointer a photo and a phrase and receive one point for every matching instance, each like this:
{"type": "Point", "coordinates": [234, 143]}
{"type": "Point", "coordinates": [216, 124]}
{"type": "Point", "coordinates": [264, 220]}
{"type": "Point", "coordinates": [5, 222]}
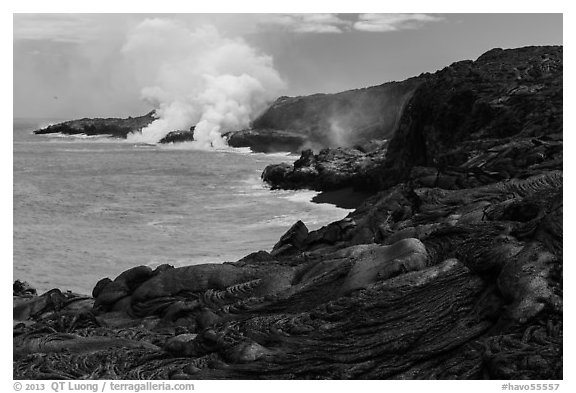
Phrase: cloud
{"type": "Point", "coordinates": [305, 23]}
{"type": "Point", "coordinates": [393, 22]}
{"type": "Point", "coordinates": [69, 28]}
{"type": "Point", "coordinates": [338, 23]}
{"type": "Point", "coordinates": [195, 76]}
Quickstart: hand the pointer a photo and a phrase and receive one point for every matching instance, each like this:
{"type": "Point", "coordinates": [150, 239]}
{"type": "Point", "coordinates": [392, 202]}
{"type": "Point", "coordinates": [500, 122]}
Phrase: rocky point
{"type": "Point", "coordinates": [451, 269]}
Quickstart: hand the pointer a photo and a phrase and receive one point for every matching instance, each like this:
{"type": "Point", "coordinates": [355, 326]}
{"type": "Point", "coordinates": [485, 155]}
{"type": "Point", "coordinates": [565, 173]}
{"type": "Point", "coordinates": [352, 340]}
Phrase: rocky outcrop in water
{"type": "Point", "coordinates": [115, 127]}
{"type": "Point", "coordinates": [451, 270]}
{"type": "Point", "coordinates": [330, 169]}
{"type": "Point", "coordinates": [267, 140]}
{"type": "Point", "coordinates": [178, 136]}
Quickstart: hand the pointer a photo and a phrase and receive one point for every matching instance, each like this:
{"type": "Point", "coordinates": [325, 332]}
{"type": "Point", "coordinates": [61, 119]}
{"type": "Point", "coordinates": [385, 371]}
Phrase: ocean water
{"type": "Point", "coordinates": [88, 208]}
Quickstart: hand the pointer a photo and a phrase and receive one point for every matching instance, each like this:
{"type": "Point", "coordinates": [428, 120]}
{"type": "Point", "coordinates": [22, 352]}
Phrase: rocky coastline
{"type": "Point", "coordinates": [114, 127]}
{"type": "Point", "coordinates": [291, 124]}
{"type": "Point", "coordinates": [449, 268]}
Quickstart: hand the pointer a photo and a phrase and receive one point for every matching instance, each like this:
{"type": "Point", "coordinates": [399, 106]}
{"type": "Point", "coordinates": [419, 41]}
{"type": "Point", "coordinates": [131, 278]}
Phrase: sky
{"type": "Point", "coordinates": [85, 65]}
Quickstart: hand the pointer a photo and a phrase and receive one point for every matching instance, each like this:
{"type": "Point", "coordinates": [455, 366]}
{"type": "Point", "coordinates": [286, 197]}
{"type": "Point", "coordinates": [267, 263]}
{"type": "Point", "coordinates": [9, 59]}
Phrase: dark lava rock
{"type": "Point", "coordinates": [118, 128]}
{"type": "Point", "coordinates": [292, 241]}
{"type": "Point", "coordinates": [178, 136]}
{"type": "Point", "coordinates": [472, 123]}
{"type": "Point", "coordinates": [344, 119]}
{"type": "Point", "coordinates": [499, 116]}
{"type": "Point", "coordinates": [345, 198]}
{"type": "Point", "coordinates": [22, 288]}
{"type": "Point", "coordinates": [99, 287]}
{"type": "Point", "coordinates": [267, 140]}
{"type": "Point", "coordinates": [330, 169]}
{"type": "Point", "coordinates": [255, 257]}
{"type": "Point", "coordinates": [453, 269]}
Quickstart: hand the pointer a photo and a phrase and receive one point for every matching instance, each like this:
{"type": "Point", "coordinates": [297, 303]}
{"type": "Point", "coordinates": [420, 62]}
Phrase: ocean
{"type": "Point", "coordinates": [89, 208]}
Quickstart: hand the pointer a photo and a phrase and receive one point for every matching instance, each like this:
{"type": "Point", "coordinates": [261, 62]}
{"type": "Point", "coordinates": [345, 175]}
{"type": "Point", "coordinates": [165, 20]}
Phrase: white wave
{"type": "Point", "coordinates": [226, 206]}
{"type": "Point", "coordinates": [251, 184]}
{"type": "Point", "coordinates": [45, 124]}
{"type": "Point", "coordinates": [77, 136]}
{"type": "Point", "coordinates": [254, 187]}
{"type": "Point", "coordinates": [285, 154]}
{"type": "Point", "coordinates": [77, 150]}
{"type": "Point", "coordinates": [303, 196]}
{"type": "Point", "coordinates": [144, 145]}
{"type": "Point", "coordinates": [182, 262]}
{"type": "Point", "coordinates": [80, 138]}
{"type": "Point", "coordinates": [179, 146]}
{"type": "Point", "coordinates": [196, 146]}
{"type": "Point", "coordinates": [306, 196]}
{"type": "Point", "coordinates": [253, 193]}
{"type": "Point", "coordinates": [283, 220]}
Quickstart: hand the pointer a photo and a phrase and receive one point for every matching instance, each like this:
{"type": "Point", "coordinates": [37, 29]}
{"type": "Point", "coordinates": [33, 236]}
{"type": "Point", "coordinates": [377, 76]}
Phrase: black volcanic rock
{"type": "Point", "coordinates": [118, 128]}
{"type": "Point", "coordinates": [499, 115]}
{"type": "Point", "coordinates": [178, 136]}
{"type": "Point", "coordinates": [472, 123]}
{"type": "Point", "coordinates": [330, 169]}
{"type": "Point", "coordinates": [266, 140]}
{"type": "Point", "coordinates": [292, 241]}
{"type": "Point", "coordinates": [22, 288]}
{"type": "Point", "coordinates": [346, 119]}
{"type": "Point", "coordinates": [453, 269]}
{"type": "Point", "coordinates": [343, 119]}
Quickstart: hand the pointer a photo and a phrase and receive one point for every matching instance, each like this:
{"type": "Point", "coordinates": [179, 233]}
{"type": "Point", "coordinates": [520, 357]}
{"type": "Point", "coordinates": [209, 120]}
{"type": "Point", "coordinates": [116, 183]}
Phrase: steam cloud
{"type": "Point", "coordinates": [198, 77]}
{"type": "Point", "coordinates": [338, 134]}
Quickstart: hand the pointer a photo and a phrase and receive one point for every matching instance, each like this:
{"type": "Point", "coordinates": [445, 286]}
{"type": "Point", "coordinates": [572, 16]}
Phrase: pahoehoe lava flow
{"type": "Point", "coordinates": [450, 269]}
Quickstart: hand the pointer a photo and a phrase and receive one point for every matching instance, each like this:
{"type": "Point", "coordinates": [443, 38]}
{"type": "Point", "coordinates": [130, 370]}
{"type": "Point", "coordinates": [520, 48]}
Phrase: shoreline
{"type": "Point", "coordinates": [452, 270]}
{"type": "Point", "coordinates": [344, 198]}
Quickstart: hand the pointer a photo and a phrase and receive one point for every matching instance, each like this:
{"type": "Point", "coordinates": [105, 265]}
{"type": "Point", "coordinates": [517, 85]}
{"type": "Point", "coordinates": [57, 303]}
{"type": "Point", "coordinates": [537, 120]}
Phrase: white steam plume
{"type": "Point", "coordinates": [198, 78]}
{"type": "Point", "coordinates": [338, 133]}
